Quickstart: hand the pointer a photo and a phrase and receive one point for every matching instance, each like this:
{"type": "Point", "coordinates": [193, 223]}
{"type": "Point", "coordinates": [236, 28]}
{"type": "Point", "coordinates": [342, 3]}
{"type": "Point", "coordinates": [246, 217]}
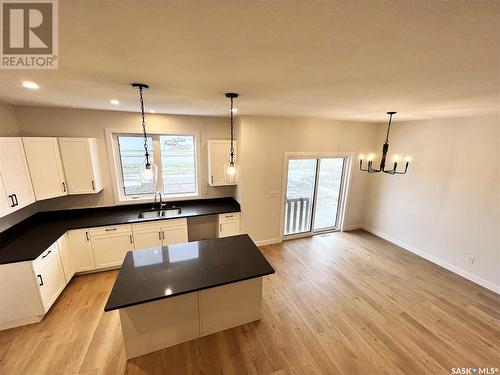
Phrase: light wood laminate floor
{"type": "Point", "coordinates": [341, 303]}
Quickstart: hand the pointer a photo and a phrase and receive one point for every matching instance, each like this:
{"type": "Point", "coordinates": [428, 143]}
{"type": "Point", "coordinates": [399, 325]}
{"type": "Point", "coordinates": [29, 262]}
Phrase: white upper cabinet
{"type": "Point", "coordinates": [45, 165]}
{"type": "Point", "coordinates": [6, 203]}
{"type": "Point", "coordinates": [81, 165]}
{"type": "Point", "coordinates": [17, 190]}
{"type": "Point", "coordinates": [218, 155]}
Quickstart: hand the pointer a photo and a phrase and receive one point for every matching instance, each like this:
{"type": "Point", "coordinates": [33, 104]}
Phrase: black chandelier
{"type": "Point", "coordinates": [385, 149]}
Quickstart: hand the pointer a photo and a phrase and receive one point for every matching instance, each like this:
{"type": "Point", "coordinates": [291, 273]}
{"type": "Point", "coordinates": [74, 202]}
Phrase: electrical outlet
{"type": "Point", "coordinates": [470, 258]}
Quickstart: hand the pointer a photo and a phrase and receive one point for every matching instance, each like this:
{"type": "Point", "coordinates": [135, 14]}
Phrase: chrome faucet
{"type": "Point", "coordinates": [158, 193]}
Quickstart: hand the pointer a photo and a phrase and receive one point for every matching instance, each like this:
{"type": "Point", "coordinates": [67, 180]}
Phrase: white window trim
{"type": "Point", "coordinates": [115, 168]}
{"type": "Point", "coordinates": [346, 184]}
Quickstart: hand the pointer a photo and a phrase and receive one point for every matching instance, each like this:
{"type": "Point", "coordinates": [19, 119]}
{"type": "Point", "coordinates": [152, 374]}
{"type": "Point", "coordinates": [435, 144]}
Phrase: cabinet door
{"type": "Point", "coordinates": [110, 245]}
{"type": "Point", "coordinates": [175, 231]}
{"type": "Point", "coordinates": [14, 169]}
{"type": "Point", "coordinates": [44, 161]}
{"type": "Point", "coordinates": [6, 203]}
{"type": "Point", "coordinates": [19, 295]}
{"type": "Point", "coordinates": [66, 258]}
{"type": "Point", "coordinates": [147, 235]}
{"type": "Point", "coordinates": [80, 166]}
{"type": "Point", "coordinates": [218, 155]}
{"type": "Point", "coordinates": [50, 279]}
{"type": "Point", "coordinates": [81, 250]}
{"type": "Point", "coordinates": [229, 225]}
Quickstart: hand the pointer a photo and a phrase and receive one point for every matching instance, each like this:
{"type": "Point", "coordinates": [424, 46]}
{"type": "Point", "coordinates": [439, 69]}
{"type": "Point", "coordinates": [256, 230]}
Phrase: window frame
{"type": "Point", "coordinates": [116, 167]}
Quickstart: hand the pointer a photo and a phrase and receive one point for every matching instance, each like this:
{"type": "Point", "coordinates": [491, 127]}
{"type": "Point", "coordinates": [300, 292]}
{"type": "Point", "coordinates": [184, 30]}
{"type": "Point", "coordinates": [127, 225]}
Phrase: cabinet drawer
{"type": "Point", "coordinates": [148, 227]}
{"type": "Point", "coordinates": [45, 258]}
{"type": "Point", "coordinates": [112, 229]}
{"type": "Point", "coordinates": [229, 217]}
{"type": "Point", "coordinates": [174, 223]}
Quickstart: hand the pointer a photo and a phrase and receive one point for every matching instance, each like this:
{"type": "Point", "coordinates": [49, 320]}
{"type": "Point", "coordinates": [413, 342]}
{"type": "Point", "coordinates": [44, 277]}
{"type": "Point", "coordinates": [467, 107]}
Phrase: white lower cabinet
{"type": "Point", "coordinates": [49, 275]}
{"type": "Point", "coordinates": [160, 233]}
{"type": "Point", "coordinates": [20, 301]}
{"type": "Point", "coordinates": [110, 245]}
{"type": "Point", "coordinates": [228, 225]}
{"type": "Point", "coordinates": [175, 231]}
{"type": "Point", "coordinates": [68, 265]}
{"type": "Point", "coordinates": [80, 249]}
{"type": "Point", "coordinates": [147, 235]}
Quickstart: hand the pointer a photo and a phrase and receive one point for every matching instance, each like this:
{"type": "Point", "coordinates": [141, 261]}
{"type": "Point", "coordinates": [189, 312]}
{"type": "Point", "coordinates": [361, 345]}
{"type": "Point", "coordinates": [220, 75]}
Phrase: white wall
{"type": "Point", "coordinates": [262, 144]}
{"type": "Point", "coordinates": [8, 121]}
{"type": "Point", "coordinates": [41, 121]}
{"type": "Point", "coordinates": [448, 204]}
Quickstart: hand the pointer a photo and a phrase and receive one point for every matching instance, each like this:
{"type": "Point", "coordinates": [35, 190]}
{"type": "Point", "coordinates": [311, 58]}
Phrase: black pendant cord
{"type": "Point", "coordinates": [231, 152]}
{"type": "Point", "coordinates": [231, 96]}
{"type": "Point", "coordinates": [146, 153]}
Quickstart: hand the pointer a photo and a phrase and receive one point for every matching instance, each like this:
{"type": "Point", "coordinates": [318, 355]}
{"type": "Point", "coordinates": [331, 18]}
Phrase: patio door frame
{"type": "Point", "coordinates": [344, 190]}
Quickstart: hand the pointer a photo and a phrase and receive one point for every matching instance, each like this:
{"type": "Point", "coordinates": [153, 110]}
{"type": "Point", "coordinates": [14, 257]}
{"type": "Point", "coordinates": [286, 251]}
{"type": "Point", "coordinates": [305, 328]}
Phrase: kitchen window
{"type": "Point", "coordinates": [175, 156]}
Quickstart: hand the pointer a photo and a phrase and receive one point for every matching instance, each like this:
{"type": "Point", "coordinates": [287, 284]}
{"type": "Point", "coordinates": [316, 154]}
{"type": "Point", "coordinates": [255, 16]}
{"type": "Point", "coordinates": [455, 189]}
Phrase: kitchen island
{"type": "Point", "coordinates": [176, 293]}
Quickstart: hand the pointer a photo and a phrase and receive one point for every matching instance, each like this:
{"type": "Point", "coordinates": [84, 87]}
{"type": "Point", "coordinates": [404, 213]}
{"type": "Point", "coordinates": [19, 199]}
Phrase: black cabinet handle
{"type": "Point", "coordinates": [109, 229]}
{"type": "Point", "coordinates": [15, 197]}
{"type": "Point", "coordinates": [12, 199]}
{"type": "Point", "coordinates": [87, 236]}
{"type": "Point", "coordinates": [93, 185]}
{"type": "Point", "coordinates": [41, 280]}
{"type": "Point", "coordinates": [46, 255]}
{"type": "Point", "coordinates": [159, 235]}
{"type": "Point", "coordinates": [64, 186]}
{"type": "Point", "coordinates": [131, 239]}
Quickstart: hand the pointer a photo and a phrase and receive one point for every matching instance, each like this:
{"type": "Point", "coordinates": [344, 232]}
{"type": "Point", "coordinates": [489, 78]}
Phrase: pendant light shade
{"type": "Point", "coordinates": [231, 169]}
{"type": "Point", "coordinates": [148, 171]}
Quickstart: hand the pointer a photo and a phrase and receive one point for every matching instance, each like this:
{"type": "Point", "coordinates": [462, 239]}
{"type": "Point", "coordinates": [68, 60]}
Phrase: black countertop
{"type": "Point", "coordinates": [168, 271]}
{"type": "Point", "coordinates": [30, 238]}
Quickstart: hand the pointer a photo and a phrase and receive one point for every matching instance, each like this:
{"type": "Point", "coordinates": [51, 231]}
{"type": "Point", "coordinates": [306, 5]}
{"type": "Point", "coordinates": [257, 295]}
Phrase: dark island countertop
{"type": "Point", "coordinates": [31, 237]}
{"type": "Point", "coordinates": [152, 274]}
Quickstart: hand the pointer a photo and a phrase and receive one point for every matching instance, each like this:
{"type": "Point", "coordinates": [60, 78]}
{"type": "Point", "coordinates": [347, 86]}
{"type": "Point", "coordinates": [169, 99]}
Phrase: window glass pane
{"type": "Point", "coordinates": [330, 179]}
{"type": "Point", "coordinates": [178, 164]}
{"type": "Point", "coordinates": [299, 195]}
{"type": "Point", "coordinates": [132, 158]}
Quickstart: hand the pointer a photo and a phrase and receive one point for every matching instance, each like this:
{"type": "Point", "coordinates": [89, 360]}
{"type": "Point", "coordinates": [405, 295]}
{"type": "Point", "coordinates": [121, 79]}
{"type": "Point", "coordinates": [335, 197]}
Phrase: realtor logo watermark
{"type": "Point", "coordinates": [29, 34]}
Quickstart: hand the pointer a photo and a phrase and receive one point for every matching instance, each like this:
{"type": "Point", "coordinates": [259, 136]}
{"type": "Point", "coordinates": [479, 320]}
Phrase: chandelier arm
{"type": "Point", "coordinates": [361, 166]}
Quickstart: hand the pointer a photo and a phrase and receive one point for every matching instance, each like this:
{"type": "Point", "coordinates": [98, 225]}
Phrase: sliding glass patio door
{"type": "Point", "coordinates": [314, 188]}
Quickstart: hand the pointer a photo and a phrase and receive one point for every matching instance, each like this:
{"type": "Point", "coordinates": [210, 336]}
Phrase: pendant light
{"type": "Point", "coordinates": [148, 171]}
{"type": "Point", "coordinates": [231, 169]}
{"type": "Point", "coordinates": [385, 149]}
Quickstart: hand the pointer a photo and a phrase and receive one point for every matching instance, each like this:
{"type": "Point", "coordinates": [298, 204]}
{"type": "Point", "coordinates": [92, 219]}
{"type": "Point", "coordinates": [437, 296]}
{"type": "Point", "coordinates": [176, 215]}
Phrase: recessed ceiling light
{"type": "Point", "coordinates": [30, 85]}
{"type": "Point", "coordinates": [152, 111]}
{"type": "Point", "coordinates": [114, 101]}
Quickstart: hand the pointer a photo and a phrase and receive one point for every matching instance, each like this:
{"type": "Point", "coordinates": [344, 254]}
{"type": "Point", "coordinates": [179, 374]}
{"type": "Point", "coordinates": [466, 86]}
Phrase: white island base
{"type": "Point", "coordinates": [157, 325]}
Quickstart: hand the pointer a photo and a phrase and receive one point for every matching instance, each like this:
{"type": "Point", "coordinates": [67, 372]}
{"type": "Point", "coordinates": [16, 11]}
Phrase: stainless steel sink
{"type": "Point", "coordinates": [153, 214]}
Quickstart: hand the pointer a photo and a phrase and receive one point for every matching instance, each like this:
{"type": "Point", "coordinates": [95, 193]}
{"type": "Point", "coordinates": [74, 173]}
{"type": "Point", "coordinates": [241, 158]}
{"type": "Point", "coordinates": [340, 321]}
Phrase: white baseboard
{"type": "Point", "coordinates": [271, 241]}
{"type": "Point", "coordinates": [20, 322]}
{"type": "Point", "coordinates": [475, 279]}
{"type": "Point", "coordinates": [347, 228]}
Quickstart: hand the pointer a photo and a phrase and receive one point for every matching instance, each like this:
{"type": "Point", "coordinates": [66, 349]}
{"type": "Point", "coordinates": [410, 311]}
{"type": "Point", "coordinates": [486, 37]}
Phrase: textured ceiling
{"type": "Point", "coordinates": [331, 59]}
